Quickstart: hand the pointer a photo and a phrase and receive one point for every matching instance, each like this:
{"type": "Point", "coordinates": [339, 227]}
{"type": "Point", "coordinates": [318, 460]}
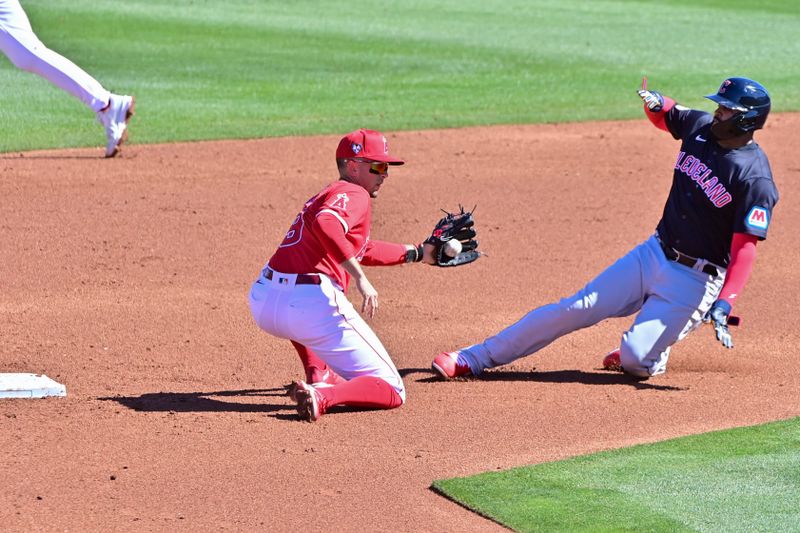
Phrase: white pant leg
{"type": "Point", "coordinates": [617, 291]}
{"type": "Point", "coordinates": [26, 51]}
{"type": "Point", "coordinates": [680, 297]}
{"type": "Point", "coordinates": [323, 319]}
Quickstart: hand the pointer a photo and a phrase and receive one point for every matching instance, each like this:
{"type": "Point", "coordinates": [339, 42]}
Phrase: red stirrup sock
{"type": "Point", "coordinates": [363, 391]}
{"type": "Point", "coordinates": [313, 365]}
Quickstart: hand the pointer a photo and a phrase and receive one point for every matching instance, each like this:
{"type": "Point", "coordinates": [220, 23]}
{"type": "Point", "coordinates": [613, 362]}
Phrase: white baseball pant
{"type": "Point", "coordinates": [671, 300]}
{"type": "Point", "coordinates": [323, 319]}
{"type": "Point", "coordinates": [27, 52]}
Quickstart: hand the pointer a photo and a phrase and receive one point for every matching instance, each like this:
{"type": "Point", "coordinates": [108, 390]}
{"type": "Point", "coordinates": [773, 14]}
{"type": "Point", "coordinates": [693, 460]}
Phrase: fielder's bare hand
{"type": "Point", "coordinates": [370, 303]}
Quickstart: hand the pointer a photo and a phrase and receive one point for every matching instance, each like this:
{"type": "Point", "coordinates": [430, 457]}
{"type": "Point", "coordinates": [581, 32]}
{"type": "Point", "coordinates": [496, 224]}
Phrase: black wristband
{"type": "Point", "coordinates": [414, 255]}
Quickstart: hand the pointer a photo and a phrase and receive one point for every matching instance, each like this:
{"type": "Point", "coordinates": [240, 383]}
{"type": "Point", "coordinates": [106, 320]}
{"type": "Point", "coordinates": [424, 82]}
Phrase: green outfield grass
{"type": "Point", "coordinates": [745, 479]}
{"type": "Point", "coordinates": [253, 68]}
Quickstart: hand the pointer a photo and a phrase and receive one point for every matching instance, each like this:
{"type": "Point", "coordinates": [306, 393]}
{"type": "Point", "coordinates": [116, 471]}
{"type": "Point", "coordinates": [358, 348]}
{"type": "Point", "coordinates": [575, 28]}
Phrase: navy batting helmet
{"type": "Point", "coordinates": [747, 96]}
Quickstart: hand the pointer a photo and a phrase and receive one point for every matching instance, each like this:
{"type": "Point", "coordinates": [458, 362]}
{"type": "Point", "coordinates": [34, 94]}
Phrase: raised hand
{"type": "Point", "coordinates": [652, 99]}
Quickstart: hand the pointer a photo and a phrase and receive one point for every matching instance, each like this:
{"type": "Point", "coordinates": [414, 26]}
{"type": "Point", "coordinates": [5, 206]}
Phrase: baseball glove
{"type": "Point", "coordinates": [459, 227]}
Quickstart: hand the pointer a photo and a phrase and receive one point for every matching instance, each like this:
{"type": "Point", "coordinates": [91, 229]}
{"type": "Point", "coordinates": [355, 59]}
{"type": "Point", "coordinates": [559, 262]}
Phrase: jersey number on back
{"type": "Point", "coordinates": [295, 233]}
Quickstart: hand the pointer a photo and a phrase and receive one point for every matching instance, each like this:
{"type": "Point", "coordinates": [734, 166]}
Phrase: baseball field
{"type": "Point", "coordinates": [127, 279]}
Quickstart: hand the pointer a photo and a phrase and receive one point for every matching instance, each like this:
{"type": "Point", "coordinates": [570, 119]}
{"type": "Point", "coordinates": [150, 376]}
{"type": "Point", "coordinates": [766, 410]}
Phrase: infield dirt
{"type": "Point", "coordinates": [127, 280]}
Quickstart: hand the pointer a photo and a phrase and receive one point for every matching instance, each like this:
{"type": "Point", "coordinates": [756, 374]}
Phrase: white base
{"type": "Point", "coordinates": [29, 386]}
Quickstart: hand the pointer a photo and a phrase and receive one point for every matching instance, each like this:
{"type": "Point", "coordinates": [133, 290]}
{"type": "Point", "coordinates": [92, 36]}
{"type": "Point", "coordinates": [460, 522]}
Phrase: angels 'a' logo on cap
{"type": "Point", "coordinates": [385, 146]}
{"type": "Point", "coordinates": [758, 218]}
{"type": "Point", "coordinates": [356, 148]}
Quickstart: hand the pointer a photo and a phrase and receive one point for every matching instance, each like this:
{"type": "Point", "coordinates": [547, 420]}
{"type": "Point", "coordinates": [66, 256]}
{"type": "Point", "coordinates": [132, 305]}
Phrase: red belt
{"type": "Point", "coordinates": [302, 279]}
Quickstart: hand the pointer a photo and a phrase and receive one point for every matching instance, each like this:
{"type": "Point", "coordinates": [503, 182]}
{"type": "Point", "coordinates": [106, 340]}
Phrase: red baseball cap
{"type": "Point", "coordinates": [365, 144]}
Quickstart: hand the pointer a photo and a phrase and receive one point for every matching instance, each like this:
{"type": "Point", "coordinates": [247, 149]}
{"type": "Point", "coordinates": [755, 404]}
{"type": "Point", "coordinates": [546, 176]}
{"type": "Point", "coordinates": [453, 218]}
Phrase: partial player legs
{"type": "Point", "coordinates": [315, 368]}
{"type": "Point", "coordinates": [27, 52]}
{"type": "Point", "coordinates": [317, 372]}
{"type": "Point", "coordinates": [680, 298]}
{"type": "Point", "coordinates": [369, 392]}
{"type": "Point", "coordinates": [350, 347]}
{"type": "Point", "coordinates": [617, 291]}
{"type": "Point", "coordinates": [644, 349]}
{"type": "Point", "coordinates": [326, 330]}
{"type": "Point", "coordinates": [365, 392]}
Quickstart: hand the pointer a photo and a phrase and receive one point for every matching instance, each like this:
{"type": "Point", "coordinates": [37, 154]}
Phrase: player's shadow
{"type": "Point", "coordinates": [204, 402]}
{"type": "Point", "coordinates": [408, 371]}
{"type": "Point", "coordinates": [292, 416]}
{"type": "Point", "coordinates": [559, 376]}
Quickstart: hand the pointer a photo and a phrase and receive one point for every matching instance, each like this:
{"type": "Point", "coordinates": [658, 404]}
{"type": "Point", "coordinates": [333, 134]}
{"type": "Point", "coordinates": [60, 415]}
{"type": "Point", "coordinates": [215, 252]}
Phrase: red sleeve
{"type": "Point", "coordinates": [743, 255]}
{"type": "Point", "coordinates": [382, 253]}
{"type": "Point", "coordinates": [658, 117]}
{"type": "Point", "coordinates": [330, 232]}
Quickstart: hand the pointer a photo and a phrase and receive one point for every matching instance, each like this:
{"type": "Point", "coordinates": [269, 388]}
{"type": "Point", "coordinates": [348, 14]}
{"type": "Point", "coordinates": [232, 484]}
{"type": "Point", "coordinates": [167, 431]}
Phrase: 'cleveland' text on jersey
{"type": "Point", "coordinates": [715, 192]}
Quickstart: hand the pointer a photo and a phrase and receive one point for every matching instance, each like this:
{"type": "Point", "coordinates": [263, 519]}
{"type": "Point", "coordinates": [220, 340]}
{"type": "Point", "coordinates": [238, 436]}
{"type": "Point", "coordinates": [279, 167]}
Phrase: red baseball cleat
{"type": "Point", "coordinates": [446, 365]}
{"type": "Point", "coordinates": [611, 361]}
{"type": "Point", "coordinates": [309, 401]}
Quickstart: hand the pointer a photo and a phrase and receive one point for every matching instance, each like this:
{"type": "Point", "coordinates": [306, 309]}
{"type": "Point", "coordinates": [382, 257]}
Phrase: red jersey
{"type": "Point", "coordinates": [302, 251]}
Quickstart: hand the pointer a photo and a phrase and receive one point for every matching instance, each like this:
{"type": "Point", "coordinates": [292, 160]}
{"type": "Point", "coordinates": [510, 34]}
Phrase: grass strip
{"type": "Point", "coordinates": [258, 68]}
{"type": "Point", "coordinates": [744, 479]}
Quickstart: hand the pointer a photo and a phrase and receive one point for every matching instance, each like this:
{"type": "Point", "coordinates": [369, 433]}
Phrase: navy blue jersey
{"type": "Point", "coordinates": [715, 192]}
